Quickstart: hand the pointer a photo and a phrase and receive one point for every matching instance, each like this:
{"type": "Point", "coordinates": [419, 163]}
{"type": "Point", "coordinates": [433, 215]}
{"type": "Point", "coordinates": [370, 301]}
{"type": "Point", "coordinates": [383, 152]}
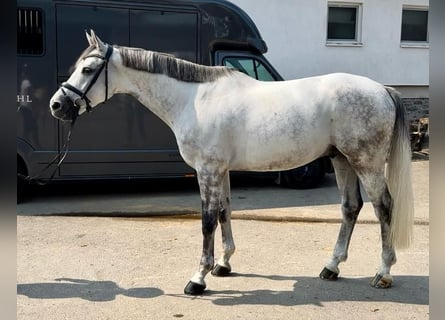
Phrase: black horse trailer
{"type": "Point", "coordinates": [131, 142]}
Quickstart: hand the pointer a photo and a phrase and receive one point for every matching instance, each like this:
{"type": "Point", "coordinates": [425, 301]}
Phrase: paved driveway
{"type": "Point", "coordinates": [134, 264]}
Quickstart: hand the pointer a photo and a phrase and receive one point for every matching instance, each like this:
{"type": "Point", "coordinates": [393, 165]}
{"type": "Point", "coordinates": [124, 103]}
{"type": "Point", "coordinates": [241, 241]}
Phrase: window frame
{"type": "Point", "coordinates": [43, 27]}
{"type": "Point", "coordinates": [228, 52]}
{"type": "Point", "coordinates": [357, 41]}
{"type": "Point", "coordinates": [412, 43]}
{"type": "Point", "coordinates": [254, 66]}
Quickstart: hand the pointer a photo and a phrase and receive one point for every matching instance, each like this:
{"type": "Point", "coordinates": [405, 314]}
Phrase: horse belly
{"type": "Point", "coordinates": [260, 150]}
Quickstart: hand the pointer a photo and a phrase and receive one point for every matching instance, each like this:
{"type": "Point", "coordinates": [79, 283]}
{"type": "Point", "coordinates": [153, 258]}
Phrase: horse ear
{"type": "Point", "coordinates": [89, 38]}
{"type": "Point", "coordinates": [97, 42]}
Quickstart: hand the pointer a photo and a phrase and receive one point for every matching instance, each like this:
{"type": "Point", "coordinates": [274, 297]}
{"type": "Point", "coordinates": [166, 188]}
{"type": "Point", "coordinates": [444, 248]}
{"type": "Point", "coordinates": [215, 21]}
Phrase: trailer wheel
{"type": "Point", "coordinates": [305, 177]}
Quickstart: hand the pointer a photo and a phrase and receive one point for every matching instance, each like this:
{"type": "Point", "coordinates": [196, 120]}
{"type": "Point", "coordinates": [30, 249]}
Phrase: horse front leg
{"type": "Point", "coordinates": [210, 184]}
{"type": "Point", "coordinates": [223, 268]}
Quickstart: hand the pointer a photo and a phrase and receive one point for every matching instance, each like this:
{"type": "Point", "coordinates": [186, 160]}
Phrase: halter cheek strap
{"type": "Point", "coordinates": [83, 95]}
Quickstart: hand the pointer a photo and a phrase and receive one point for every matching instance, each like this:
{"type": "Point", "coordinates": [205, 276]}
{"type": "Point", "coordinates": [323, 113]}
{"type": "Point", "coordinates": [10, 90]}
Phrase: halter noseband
{"type": "Point", "coordinates": [83, 95]}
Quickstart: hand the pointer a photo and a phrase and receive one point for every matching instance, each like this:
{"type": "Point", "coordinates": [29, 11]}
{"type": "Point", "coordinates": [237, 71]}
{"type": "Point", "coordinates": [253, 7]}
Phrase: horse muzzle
{"type": "Point", "coordinates": [64, 109]}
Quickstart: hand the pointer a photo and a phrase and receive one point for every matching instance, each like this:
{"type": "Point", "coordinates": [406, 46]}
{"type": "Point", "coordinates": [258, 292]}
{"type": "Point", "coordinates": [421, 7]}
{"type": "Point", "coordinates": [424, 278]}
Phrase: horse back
{"type": "Point", "coordinates": [265, 126]}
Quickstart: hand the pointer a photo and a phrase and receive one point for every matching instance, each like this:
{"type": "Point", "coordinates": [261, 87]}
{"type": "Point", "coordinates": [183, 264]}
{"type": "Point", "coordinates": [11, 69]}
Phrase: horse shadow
{"type": "Point", "coordinates": [98, 291]}
{"type": "Point", "coordinates": [314, 291]}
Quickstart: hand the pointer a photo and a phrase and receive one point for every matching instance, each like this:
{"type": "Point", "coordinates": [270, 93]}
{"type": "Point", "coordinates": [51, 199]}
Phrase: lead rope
{"type": "Point", "coordinates": [57, 159]}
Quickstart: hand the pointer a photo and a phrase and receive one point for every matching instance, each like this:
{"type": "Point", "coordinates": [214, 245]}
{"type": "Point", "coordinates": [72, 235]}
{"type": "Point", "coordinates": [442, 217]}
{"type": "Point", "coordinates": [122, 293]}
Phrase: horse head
{"type": "Point", "coordinates": [89, 84]}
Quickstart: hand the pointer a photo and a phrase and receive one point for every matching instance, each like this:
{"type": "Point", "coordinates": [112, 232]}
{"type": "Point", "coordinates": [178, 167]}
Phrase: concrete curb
{"type": "Point", "coordinates": [193, 215]}
{"type": "Point", "coordinates": [261, 203]}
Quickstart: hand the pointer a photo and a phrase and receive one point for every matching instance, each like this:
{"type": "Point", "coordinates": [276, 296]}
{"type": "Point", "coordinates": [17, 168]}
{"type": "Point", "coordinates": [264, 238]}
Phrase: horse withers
{"type": "Point", "coordinates": [224, 120]}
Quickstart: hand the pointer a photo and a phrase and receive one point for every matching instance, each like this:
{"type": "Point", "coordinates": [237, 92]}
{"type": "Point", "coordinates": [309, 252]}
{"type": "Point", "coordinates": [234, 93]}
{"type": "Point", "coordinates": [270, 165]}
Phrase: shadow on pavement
{"type": "Point", "coordinates": [307, 291]}
{"type": "Point", "coordinates": [314, 291]}
{"type": "Point", "coordinates": [84, 289]}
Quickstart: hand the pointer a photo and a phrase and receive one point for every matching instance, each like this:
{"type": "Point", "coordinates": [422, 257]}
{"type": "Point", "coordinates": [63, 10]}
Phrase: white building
{"type": "Point", "coordinates": [313, 37]}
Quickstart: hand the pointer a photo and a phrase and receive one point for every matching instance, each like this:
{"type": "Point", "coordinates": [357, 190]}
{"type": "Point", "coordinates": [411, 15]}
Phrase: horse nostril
{"type": "Point", "coordinates": [55, 106]}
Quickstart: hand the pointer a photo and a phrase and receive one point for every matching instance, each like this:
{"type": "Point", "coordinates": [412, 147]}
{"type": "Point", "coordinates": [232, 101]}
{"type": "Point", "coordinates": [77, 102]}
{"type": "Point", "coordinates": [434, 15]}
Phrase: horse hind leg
{"type": "Point", "coordinates": [375, 185]}
{"type": "Point", "coordinates": [352, 202]}
{"type": "Point", "coordinates": [222, 267]}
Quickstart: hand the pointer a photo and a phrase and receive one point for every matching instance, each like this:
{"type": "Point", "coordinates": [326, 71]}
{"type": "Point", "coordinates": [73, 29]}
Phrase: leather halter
{"type": "Point", "coordinates": [83, 95]}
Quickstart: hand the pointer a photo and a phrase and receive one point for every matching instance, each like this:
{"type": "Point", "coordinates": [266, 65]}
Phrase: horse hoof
{"type": "Point", "coordinates": [381, 281]}
{"type": "Point", "coordinates": [194, 289]}
{"type": "Point", "coordinates": [220, 271]}
{"type": "Point", "coordinates": [327, 274]}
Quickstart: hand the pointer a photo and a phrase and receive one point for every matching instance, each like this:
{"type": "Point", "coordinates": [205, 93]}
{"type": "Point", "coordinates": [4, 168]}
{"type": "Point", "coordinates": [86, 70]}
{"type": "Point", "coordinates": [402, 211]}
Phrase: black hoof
{"type": "Point", "coordinates": [327, 274]}
{"type": "Point", "coordinates": [220, 271]}
{"type": "Point", "coordinates": [381, 281]}
{"type": "Point", "coordinates": [194, 288]}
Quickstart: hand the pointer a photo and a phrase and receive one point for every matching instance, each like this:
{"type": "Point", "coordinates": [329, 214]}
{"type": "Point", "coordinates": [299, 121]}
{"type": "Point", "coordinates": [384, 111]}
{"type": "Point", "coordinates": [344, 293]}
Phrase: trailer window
{"type": "Point", "coordinates": [29, 31]}
{"type": "Point", "coordinates": [252, 67]}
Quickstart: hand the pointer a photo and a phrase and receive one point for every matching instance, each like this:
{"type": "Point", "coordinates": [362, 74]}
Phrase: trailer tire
{"type": "Point", "coordinates": [306, 177]}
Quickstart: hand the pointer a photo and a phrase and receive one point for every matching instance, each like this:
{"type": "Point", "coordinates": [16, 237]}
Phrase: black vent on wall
{"type": "Point", "coordinates": [29, 31]}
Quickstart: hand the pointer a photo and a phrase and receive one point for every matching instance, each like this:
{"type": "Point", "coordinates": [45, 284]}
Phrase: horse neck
{"type": "Point", "coordinates": [165, 97]}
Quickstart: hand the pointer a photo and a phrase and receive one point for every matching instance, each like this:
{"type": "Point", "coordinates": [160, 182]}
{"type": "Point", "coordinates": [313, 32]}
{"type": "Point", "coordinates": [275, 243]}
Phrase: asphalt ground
{"type": "Point", "coordinates": [127, 254]}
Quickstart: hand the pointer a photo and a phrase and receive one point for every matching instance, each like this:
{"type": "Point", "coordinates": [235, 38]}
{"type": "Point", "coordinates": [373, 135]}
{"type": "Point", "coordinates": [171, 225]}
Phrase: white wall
{"type": "Point", "coordinates": [295, 32]}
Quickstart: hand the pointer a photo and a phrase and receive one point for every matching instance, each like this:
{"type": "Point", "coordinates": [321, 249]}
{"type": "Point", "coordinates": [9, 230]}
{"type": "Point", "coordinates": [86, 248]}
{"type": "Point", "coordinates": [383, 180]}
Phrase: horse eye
{"type": "Point", "coordinates": [87, 70]}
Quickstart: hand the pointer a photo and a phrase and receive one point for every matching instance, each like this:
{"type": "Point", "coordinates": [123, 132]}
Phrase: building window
{"type": "Point", "coordinates": [29, 31]}
{"type": "Point", "coordinates": [344, 23]}
{"type": "Point", "coordinates": [414, 26]}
